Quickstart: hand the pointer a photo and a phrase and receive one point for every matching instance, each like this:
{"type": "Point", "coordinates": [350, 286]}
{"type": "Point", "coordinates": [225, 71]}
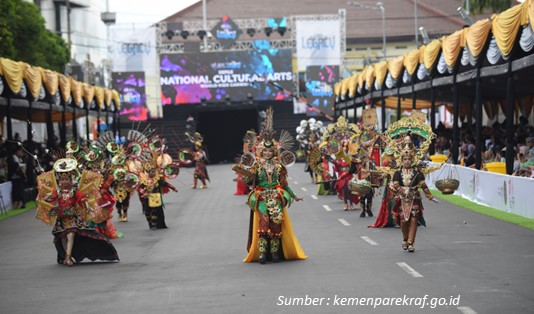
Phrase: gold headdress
{"type": "Point", "coordinates": [266, 140]}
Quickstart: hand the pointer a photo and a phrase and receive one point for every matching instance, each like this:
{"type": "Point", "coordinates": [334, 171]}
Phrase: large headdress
{"type": "Point", "coordinates": [398, 137]}
{"type": "Point", "coordinates": [67, 167]}
{"type": "Point", "coordinates": [266, 140]}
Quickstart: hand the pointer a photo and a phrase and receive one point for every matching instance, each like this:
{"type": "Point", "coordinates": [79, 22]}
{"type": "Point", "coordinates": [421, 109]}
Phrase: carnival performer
{"type": "Point", "coordinates": [153, 184]}
{"type": "Point", "coordinates": [270, 229]}
{"type": "Point", "coordinates": [409, 177]}
{"type": "Point", "coordinates": [95, 161]}
{"type": "Point", "coordinates": [68, 202]}
{"type": "Point", "coordinates": [200, 158]}
{"type": "Point", "coordinates": [388, 215]}
{"type": "Point", "coordinates": [345, 171]}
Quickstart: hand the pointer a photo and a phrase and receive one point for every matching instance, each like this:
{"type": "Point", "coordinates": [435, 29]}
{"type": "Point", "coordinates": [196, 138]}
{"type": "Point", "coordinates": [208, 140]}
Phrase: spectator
{"type": "Point", "coordinates": [16, 173]}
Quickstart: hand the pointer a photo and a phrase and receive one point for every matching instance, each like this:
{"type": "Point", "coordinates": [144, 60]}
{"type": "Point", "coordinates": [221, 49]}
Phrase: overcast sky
{"type": "Point", "coordinates": [146, 12]}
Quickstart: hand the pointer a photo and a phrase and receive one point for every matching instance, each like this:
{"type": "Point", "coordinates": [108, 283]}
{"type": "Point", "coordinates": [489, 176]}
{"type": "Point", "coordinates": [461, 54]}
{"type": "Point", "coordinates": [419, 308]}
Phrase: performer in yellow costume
{"type": "Point", "coordinates": [270, 229]}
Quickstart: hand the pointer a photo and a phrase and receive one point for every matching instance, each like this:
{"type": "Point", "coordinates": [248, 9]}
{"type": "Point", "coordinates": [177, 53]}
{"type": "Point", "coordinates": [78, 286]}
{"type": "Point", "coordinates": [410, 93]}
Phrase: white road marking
{"type": "Point", "coordinates": [466, 310]}
{"type": "Point", "coordinates": [467, 242]}
{"type": "Point", "coordinates": [327, 208]}
{"type": "Point", "coordinates": [289, 178]}
{"type": "Point", "coordinates": [369, 240]}
{"type": "Point", "coordinates": [409, 270]}
{"type": "Point", "coordinates": [344, 222]}
{"type": "Point", "coordinates": [314, 197]}
{"type": "Point", "coordinates": [296, 182]}
{"type": "Point", "coordinates": [304, 189]}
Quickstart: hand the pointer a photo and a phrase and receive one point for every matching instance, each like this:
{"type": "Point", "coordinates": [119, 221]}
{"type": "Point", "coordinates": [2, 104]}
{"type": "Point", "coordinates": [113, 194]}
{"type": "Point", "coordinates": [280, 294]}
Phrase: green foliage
{"type": "Point", "coordinates": [495, 6]}
{"type": "Point", "coordinates": [23, 37]}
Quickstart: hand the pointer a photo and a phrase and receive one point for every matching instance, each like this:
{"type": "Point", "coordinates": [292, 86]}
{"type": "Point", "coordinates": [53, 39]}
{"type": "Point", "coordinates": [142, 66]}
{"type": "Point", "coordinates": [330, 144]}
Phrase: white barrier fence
{"type": "Point", "coordinates": [503, 192]}
{"type": "Point", "coordinates": [5, 196]}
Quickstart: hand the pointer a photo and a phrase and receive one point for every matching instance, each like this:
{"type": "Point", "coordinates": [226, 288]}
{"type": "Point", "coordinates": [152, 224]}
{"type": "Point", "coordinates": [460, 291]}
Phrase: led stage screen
{"type": "Point", "coordinates": [320, 82]}
{"type": "Point", "coordinates": [216, 76]}
{"type": "Point", "coordinates": [131, 88]}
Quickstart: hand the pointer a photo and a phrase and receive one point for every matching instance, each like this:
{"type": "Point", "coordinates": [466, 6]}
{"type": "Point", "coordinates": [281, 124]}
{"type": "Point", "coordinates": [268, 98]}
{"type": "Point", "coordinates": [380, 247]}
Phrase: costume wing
{"type": "Point", "coordinates": [46, 184]}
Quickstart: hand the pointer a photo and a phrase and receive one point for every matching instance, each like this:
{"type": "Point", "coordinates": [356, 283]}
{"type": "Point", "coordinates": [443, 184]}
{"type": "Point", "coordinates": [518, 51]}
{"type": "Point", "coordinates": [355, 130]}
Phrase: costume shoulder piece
{"type": "Point", "coordinates": [46, 184]}
{"type": "Point", "coordinates": [89, 185]}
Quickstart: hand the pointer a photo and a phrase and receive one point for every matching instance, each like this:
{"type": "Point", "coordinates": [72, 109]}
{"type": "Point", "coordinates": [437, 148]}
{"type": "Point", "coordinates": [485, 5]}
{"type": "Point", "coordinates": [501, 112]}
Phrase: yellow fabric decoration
{"type": "Point", "coordinates": [88, 93]}
{"type": "Point", "coordinates": [422, 53]}
{"type": "Point", "coordinates": [13, 72]}
{"type": "Point", "coordinates": [65, 87]}
{"type": "Point", "coordinates": [361, 78]}
{"type": "Point", "coordinates": [107, 97]}
{"type": "Point", "coordinates": [290, 244]}
{"type": "Point", "coordinates": [506, 25]}
{"type": "Point", "coordinates": [33, 79]}
{"type": "Point", "coordinates": [452, 45]}
{"type": "Point", "coordinates": [77, 91]}
{"type": "Point", "coordinates": [530, 7]}
{"type": "Point", "coordinates": [116, 99]}
{"type": "Point", "coordinates": [344, 87]}
{"type": "Point", "coordinates": [353, 80]}
{"type": "Point", "coordinates": [381, 69]}
{"type": "Point", "coordinates": [476, 36]}
{"type": "Point", "coordinates": [50, 81]}
{"type": "Point", "coordinates": [395, 67]}
{"type": "Point", "coordinates": [406, 103]}
{"type": "Point", "coordinates": [431, 53]}
{"type": "Point", "coordinates": [370, 76]}
{"type": "Point", "coordinates": [411, 61]}
{"type": "Point", "coordinates": [337, 88]}
{"type": "Point", "coordinates": [99, 96]}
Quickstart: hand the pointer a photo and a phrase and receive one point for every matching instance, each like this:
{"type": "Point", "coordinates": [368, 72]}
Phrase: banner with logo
{"type": "Point", "coordinates": [260, 74]}
{"type": "Point", "coordinates": [134, 50]}
{"type": "Point", "coordinates": [320, 82]}
{"type": "Point", "coordinates": [226, 32]}
{"type": "Point", "coordinates": [318, 42]}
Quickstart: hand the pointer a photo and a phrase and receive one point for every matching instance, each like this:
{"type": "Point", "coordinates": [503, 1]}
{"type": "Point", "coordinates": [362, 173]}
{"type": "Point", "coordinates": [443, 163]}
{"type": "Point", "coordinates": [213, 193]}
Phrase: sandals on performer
{"type": "Point", "coordinates": [411, 249]}
{"type": "Point", "coordinates": [345, 207]}
{"type": "Point", "coordinates": [404, 245]}
{"type": "Point", "coordinates": [68, 261]}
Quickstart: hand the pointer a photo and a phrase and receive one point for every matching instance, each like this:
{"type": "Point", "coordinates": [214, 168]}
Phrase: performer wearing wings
{"type": "Point", "coordinates": [270, 229]}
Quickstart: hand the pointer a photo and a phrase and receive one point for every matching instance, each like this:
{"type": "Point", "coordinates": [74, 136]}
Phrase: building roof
{"type": "Point", "coordinates": [364, 22]}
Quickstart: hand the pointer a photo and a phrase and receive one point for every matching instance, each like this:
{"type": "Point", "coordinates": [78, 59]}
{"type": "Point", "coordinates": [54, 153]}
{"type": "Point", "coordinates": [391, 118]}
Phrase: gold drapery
{"type": "Point", "coordinates": [107, 97]}
{"type": "Point", "coordinates": [65, 87]}
{"type": "Point", "coordinates": [88, 93]}
{"type": "Point", "coordinates": [431, 53]}
{"type": "Point", "coordinates": [50, 81]}
{"type": "Point", "coordinates": [411, 61]}
{"type": "Point", "coordinates": [352, 81]}
{"type": "Point", "coordinates": [99, 97]}
{"type": "Point", "coordinates": [344, 87]}
{"type": "Point", "coordinates": [406, 103]}
{"type": "Point", "coordinates": [452, 45]}
{"type": "Point", "coordinates": [395, 67]}
{"type": "Point", "coordinates": [529, 4]}
{"type": "Point", "coordinates": [476, 36]}
{"type": "Point", "coordinates": [370, 76]}
{"type": "Point", "coordinates": [381, 69]}
{"type": "Point", "coordinates": [361, 78]}
{"type": "Point", "coordinates": [116, 99]}
{"type": "Point", "coordinates": [337, 88]}
{"type": "Point", "coordinates": [491, 108]}
{"type": "Point", "coordinates": [505, 26]}
{"type": "Point", "coordinates": [13, 72]}
{"type": "Point", "coordinates": [33, 79]}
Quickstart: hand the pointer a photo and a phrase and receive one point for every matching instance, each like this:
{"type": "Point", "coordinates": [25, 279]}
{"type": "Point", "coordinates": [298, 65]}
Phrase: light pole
{"type": "Point", "coordinates": [379, 6]}
{"type": "Point", "coordinates": [383, 11]}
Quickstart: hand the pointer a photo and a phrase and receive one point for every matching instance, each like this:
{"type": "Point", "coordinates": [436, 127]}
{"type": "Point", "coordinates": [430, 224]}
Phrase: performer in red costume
{"type": "Point", "coordinates": [61, 203]}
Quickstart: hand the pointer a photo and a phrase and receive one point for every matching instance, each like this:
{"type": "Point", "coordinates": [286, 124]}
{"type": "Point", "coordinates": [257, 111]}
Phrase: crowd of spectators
{"type": "Point", "coordinates": [17, 166]}
{"type": "Point", "coordinates": [494, 147]}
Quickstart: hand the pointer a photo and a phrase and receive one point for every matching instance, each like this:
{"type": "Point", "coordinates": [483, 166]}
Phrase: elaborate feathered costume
{"type": "Point", "coordinates": [270, 229]}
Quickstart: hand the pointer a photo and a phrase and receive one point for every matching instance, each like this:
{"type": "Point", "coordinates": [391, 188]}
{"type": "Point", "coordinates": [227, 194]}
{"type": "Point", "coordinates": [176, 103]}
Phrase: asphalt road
{"type": "Point", "coordinates": [464, 262]}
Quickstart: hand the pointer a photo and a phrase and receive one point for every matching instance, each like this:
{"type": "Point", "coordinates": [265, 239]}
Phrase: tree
{"type": "Point", "coordinates": [496, 6]}
{"type": "Point", "coordinates": [23, 37]}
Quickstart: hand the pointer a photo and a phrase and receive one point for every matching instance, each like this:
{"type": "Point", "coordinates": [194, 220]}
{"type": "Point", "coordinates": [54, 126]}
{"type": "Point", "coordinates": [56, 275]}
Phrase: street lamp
{"type": "Point", "coordinates": [379, 6]}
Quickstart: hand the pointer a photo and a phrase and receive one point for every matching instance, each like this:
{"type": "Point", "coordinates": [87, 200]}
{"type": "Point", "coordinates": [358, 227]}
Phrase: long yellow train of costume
{"type": "Point", "coordinates": [290, 244]}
